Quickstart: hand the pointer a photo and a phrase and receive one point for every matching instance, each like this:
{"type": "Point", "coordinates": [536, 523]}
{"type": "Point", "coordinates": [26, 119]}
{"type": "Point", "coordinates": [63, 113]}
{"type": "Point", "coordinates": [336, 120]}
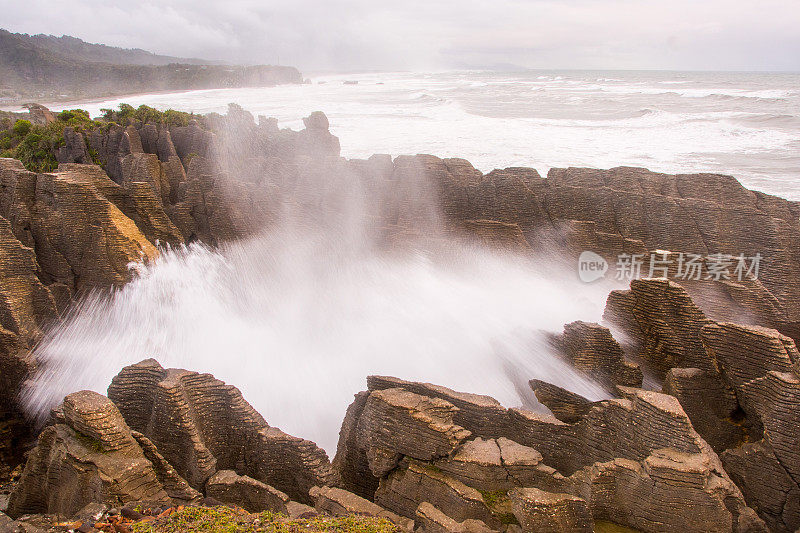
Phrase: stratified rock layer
{"type": "Point", "coordinates": [635, 461]}
{"type": "Point", "coordinates": [201, 425]}
{"type": "Point", "coordinates": [91, 457]}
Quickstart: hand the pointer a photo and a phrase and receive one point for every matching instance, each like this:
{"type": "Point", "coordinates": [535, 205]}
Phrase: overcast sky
{"type": "Point", "coordinates": [347, 35]}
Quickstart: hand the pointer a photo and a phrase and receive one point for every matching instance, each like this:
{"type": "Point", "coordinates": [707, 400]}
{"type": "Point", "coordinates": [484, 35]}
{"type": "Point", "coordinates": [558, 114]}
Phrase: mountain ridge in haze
{"type": "Point", "coordinates": [45, 67]}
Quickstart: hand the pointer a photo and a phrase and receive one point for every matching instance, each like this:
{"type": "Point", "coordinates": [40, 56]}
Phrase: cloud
{"type": "Point", "coordinates": [417, 34]}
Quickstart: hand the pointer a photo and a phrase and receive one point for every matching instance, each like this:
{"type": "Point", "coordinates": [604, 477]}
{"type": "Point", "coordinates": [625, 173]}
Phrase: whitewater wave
{"type": "Point", "coordinates": [297, 325]}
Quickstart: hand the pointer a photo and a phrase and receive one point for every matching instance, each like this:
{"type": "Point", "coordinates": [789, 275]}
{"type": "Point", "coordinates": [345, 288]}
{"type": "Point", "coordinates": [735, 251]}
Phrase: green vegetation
{"type": "Point", "coordinates": [22, 127]}
{"type": "Point", "coordinates": [127, 115]}
{"type": "Point", "coordinates": [499, 504]}
{"type": "Point", "coordinates": [91, 443]}
{"type": "Point", "coordinates": [229, 520]}
{"type": "Point", "coordinates": [36, 146]}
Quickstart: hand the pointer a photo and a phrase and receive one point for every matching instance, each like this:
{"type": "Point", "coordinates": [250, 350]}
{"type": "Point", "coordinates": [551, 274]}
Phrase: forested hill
{"type": "Point", "coordinates": [43, 67]}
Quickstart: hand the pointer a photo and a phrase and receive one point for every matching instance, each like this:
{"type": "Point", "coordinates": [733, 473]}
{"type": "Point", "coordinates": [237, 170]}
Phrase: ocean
{"type": "Point", "coordinates": [743, 124]}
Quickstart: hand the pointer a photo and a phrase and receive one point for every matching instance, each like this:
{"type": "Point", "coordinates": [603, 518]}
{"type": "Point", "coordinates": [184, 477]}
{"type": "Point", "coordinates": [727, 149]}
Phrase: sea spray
{"type": "Point", "coordinates": [298, 329]}
{"type": "Point", "coordinates": [351, 275]}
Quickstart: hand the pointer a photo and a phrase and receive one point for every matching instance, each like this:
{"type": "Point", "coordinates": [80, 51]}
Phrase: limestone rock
{"type": "Point", "coordinates": [91, 458]}
{"type": "Point", "coordinates": [482, 413]}
{"type": "Point", "coordinates": [250, 494]}
{"type": "Point", "coordinates": [26, 307]}
{"type": "Point", "coordinates": [591, 349]}
{"type": "Point", "coordinates": [350, 462]}
{"type": "Point", "coordinates": [565, 405]}
{"type": "Point", "coordinates": [339, 502]}
{"type": "Point", "coordinates": [404, 489]}
{"type": "Point", "coordinates": [670, 490]}
{"type": "Point", "coordinates": [299, 510]}
{"type": "Point", "coordinates": [396, 423]}
{"type": "Point", "coordinates": [498, 465]}
{"type": "Point", "coordinates": [201, 425]}
{"type": "Point", "coordinates": [74, 149]}
{"type": "Point", "coordinates": [663, 324]}
{"type": "Point", "coordinates": [636, 461]}
{"type": "Point", "coordinates": [174, 485]}
{"type": "Point", "coordinates": [748, 352]}
{"type": "Point", "coordinates": [429, 519]}
{"type": "Point", "coordinates": [546, 512]}
{"type": "Point", "coordinates": [766, 484]}
{"type": "Point", "coordinates": [81, 239]}
{"type": "Point", "coordinates": [710, 404]}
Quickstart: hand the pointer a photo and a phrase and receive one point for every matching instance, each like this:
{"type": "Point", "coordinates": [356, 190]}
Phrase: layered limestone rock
{"type": "Point", "coordinates": [538, 510]}
{"type": "Point", "coordinates": [81, 239]}
{"type": "Point", "coordinates": [201, 425]}
{"type": "Point", "coordinates": [635, 461]}
{"type": "Point", "coordinates": [334, 501]}
{"type": "Point", "coordinates": [762, 367]}
{"type": "Point", "coordinates": [661, 324]}
{"type": "Point", "coordinates": [429, 519]}
{"type": "Point", "coordinates": [177, 488]}
{"type": "Point", "coordinates": [565, 405]}
{"type": "Point", "coordinates": [26, 308]}
{"type": "Point", "coordinates": [663, 327]}
{"type": "Point", "coordinates": [422, 428]}
{"type": "Point", "coordinates": [591, 349]}
{"type": "Point", "coordinates": [405, 488]}
{"type": "Point", "coordinates": [89, 457]}
{"type": "Point", "coordinates": [498, 465]}
{"type": "Point", "coordinates": [243, 491]}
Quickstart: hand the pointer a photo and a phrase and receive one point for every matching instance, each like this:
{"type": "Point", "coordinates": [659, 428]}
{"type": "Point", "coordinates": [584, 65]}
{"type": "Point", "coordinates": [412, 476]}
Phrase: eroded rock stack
{"type": "Point", "coordinates": [87, 455]}
{"type": "Point", "coordinates": [201, 426]}
{"type": "Point", "coordinates": [624, 460]}
{"type": "Point", "coordinates": [80, 228]}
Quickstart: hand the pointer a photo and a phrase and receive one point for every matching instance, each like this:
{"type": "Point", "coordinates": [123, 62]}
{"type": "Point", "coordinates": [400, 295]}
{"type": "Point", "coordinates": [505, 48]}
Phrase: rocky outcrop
{"type": "Point", "coordinates": [591, 349]}
{"type": "Point", "coordinates": [635, 461]}
{"type": "Point", "coordinates": [403, 490]}
{"type": "Point", "coordinates": [174, 485]}
{"type": "Point", "coordinates": [542, 511]}
{"type": "Point", "coordinates": [731, 379]}
{"type": "Point", "coordinates": [243, 491]}
{"type": "Point", "coordinates": [422, 428]}
{"type": "Point", "coordinates": [334, 501]}
{"type": "Point", "coordinates": [565, 405]}
{"type": "Point", "coordinates": [663, 327]}
{"type": "Point", "coordinates": [761, 365]}
{"type": "Point", "coordinates": [89, 456]}
{"type": "Point", "coordinates": [80, 238]}
{"type": "Point", "coordinates": [201, 425]}
{"type": "Point", "coordinates": [429, 519]}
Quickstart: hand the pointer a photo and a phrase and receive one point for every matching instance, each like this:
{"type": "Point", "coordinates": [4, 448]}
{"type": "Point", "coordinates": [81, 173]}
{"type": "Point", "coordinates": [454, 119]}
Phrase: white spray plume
{"type": "Point", "coordinates": [299, 315]}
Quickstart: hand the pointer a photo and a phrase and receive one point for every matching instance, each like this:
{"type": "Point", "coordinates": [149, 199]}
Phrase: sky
{"type": "Point", "coordinates": [354, 35]}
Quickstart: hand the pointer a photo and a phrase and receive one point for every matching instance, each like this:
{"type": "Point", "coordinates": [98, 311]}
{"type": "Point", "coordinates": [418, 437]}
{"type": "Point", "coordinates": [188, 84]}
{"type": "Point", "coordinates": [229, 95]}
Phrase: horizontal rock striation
{"type": "Point", "coordinates": [90, 457]}
{"type": "Point", "coordinates": [201, 425]}
{"type": "Point", "coordinates": [606, 459]}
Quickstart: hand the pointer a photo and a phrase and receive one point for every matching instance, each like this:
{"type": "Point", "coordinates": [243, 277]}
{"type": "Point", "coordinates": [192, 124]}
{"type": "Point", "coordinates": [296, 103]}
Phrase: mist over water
{"type": "Point", "coordinates": [743, 124]}
{"type": "Point", "coordinates": [298, 316]}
